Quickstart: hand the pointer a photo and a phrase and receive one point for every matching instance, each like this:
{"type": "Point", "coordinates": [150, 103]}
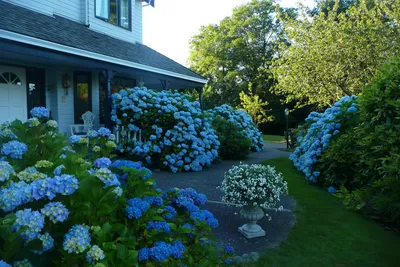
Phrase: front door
{"type": "Point", "coordinates": [13, 104]}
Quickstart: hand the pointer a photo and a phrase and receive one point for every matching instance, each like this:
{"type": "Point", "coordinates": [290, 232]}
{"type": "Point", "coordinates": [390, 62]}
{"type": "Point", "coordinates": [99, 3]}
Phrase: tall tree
{"type": "Point", "coordinates": [337, 53]}
{"type": "Point", "coordinates": [235, 55]}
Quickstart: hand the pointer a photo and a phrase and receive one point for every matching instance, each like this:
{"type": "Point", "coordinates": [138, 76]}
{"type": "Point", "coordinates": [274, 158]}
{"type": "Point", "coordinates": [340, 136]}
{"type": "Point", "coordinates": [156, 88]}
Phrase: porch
{"type": "Point", "coordinates": [69, 85]}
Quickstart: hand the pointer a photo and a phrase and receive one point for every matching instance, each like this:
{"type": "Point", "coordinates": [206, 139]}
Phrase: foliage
{"type": "Point", "coordinates": [255, 107]}
{"type": "Point", "coordinates": [253, 185]}
{"type": "Point", "coordinates": [321, 219]}
{"type": "Point", "coordinates": [174, 130]}
{"type": "Point", "coordinates": [234, 145]}
{"type": "Point", "coordinates": [243, 121]}
{"type": "Point", "coordinates": [325, 6]}
{"type": "Point", "coordinates": [336, 54]}
{"type": "Point", "coordinates": [235, 57]}
{"type": "Point", "coordinates": [70, 205]}
{"type": "Point", "coordinates": [363, 157]}
{"type": "Point", "coordinates": [318, 133]}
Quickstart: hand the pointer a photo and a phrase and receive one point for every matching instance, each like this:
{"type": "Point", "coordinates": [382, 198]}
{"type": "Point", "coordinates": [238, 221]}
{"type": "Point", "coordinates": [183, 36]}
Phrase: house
{"type": "Point", "coordinates": [71, 55]}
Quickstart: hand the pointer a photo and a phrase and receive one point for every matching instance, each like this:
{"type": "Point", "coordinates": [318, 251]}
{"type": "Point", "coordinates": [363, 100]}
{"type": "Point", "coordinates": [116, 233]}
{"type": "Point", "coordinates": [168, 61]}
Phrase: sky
{"type": "Point", "coordinates": [168, 27]}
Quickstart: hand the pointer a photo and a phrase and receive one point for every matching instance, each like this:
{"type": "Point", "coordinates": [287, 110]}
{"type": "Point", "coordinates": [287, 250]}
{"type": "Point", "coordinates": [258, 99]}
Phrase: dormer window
{"type": "Point", "coordinates": [117, 12]}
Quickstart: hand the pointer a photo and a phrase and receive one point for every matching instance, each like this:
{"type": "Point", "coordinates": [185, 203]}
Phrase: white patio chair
{"type": "Point", "coordinates": [81, 129]}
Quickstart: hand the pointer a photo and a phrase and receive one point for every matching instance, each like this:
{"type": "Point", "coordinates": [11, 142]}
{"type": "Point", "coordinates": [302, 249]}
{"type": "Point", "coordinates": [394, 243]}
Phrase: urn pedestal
{"type": "Point", "coordinates": [251, 229]}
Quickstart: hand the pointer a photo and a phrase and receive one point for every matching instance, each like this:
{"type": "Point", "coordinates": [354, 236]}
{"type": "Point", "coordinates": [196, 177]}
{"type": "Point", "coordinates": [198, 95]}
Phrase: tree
{"type": "Point", "coordinates": [235, 55]}
{"type": "Point", "coordinates": [255, 107]}
{"type": "Point", "coordinates": [336, 54]}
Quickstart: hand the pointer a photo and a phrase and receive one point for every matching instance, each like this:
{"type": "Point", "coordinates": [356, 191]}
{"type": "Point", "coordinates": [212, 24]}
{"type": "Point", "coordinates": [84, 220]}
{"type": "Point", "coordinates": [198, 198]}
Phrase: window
{"type": "Point", "coordinates": [117, 83]}
{"type": "Point", "coordinates": [83, 95]}
{"type": "Point", "coordinates": [116, 12]}
{"type": "Point", "coordinates": [10, 78]}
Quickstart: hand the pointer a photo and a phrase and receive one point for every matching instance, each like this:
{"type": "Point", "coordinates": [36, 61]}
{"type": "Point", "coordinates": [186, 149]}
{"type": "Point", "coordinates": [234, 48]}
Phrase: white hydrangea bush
{"type": "Point", "coordinates": [244, 121]}
{"type": "Point", "coordinates": [253, 185]}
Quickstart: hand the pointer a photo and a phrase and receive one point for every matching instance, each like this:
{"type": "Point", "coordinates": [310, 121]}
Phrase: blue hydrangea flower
{"type": "Point", "coordinates": [92, 134]}
{"type": "Point", "coordinates": [229, 249]}
{"type": "Point", "coordinates": [120, 163]}
{"type": "Point", "coordinates": [198, 215]}
{"type": "Point", "coordinates": [102, 163]}
{"type": "Point", "coordinates": [177, 249]}
{"type": "Point", "coordinates": [104, 132]}
{"type": "Point", "coordinates": [171, 212]}
{"type": "Point", "coordinates": [73, 139]}
{"type": "Point", "coordinates": [32, 220]}
{"type": "Point", "coordinates": [323, 127]}
{"type": "Point", "coordinates": [162, 251]}
{"type": "Point", "coordinates": [143, 254]}
{"type": "Point", "coordinates": [57, 171]}
{"type": "Point", "coordinates": [49, 187]}
{"type": "Point", "coordinates": [95, 254]}
{"type": "Point", "coordinates": [55, 211]}
{"type": "Point", "coordinates": [4, 264]}
{"type": "Point", "coordinates": [40, 112]}
{"type": "Point", "coordinates": [136, 208]}
{"type": "Point", "coordinates": [158, 226]}
{"type": "Point", "coordinates": [187, 203]}
{"type": "Point", "coordinates": [5, 171]}
{"type": "Point", "coordinates": [352, 109]}
{"type": "Point", "coordinates": [332, 190]}
{"type": "Point", "coordinates": [212, 222]}
{"type": "Point", "coordinates": [14, 149]}
{"type": "Point", "coordinates": [77, 240]}
{"type": "Point", "coordinates": [47, 243]}
{"type": "Point", "coordinates": [16, 194]}
{"type": "Point", "coordinates": [107, 177]}
{"type": "Point", "coordinates": [199, 199]}
{"type": "Point", "coordinates": [154, 200]}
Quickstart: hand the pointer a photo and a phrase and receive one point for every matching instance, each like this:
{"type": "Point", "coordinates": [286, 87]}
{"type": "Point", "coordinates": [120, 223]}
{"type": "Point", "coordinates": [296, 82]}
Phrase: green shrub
{"type": "Point", "coordinates": [234, 145]}
{"type": "Point", "coordinates": [68, 204]}
{"type": "Point", "coordinates": [365, 157]}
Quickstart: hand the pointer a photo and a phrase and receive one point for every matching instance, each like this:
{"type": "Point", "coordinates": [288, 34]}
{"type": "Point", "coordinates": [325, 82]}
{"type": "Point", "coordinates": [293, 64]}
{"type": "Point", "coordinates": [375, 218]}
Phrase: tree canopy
{"type": "Point", "coordinates": [333, 54]}
{"type": "Point", "coordinates": [235, 56]}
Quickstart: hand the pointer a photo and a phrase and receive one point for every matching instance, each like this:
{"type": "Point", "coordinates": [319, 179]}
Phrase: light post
{"type": "Point", "coordinates": [287, 127]}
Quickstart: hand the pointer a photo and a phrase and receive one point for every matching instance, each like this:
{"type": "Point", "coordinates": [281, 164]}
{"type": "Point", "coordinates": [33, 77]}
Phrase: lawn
{"type": "Point", "coordinates": [326, 234]}
{"type": "Point", "coordinates": [274, 138]}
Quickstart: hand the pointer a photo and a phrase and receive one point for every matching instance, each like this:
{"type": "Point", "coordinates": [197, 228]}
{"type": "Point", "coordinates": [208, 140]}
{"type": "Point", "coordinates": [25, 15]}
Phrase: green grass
{"type": "Point", "coordinates": [273, 138]}
{"type": "Point", "coordinates": [326, 234]}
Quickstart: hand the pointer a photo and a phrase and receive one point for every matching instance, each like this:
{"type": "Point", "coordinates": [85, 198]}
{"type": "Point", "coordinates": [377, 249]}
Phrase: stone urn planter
{"type": "Point", "coordinates": [251, 229]}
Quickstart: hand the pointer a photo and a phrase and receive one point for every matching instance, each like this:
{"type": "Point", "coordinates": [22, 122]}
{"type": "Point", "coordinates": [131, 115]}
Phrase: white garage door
{"type": "Point", "coordinates": [12, 94]}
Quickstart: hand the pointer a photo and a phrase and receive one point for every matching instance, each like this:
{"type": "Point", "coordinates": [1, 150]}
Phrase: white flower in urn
{"type": "Point", "coordinates": [253, 187]}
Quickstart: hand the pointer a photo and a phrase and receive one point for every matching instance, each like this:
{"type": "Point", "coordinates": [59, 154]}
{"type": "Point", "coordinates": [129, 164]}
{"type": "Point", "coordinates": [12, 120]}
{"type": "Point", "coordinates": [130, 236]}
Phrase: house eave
{"type": "Point", "coordinates": [83, 53]}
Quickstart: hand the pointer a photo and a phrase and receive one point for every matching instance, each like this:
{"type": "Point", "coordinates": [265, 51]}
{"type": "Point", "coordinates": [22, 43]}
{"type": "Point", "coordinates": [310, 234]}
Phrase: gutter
{"type": "Point", "coordinates": [83, 53]}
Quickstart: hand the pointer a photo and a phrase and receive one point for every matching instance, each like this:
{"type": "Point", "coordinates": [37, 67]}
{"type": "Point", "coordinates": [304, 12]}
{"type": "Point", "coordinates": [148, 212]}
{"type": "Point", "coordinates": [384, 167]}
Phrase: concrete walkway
{"type": "Point", "coordinates": [208, 180]}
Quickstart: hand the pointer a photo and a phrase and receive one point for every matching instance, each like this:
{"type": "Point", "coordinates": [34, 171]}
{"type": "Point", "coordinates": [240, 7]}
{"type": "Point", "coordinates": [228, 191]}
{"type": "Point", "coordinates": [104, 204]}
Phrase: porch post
{"type": "Point", "coordinates": [200, 91]}
{"type": "Point", "coordinates": [108, 74]}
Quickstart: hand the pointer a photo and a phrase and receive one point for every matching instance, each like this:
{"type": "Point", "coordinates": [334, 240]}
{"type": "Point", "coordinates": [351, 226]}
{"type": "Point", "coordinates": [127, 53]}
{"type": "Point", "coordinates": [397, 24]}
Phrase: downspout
{"type": "Point", "coordinates": [86, 13]}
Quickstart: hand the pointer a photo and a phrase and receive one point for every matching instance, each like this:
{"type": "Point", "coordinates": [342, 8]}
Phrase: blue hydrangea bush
{"type": "Point", "coordinates": [243, 121]}
{"type": "Point", "coordinates": [70, 203]}
{"type": "Point", "coordinates": [318, 132]}
{"type": "Point", "coordinates": [175, 132]}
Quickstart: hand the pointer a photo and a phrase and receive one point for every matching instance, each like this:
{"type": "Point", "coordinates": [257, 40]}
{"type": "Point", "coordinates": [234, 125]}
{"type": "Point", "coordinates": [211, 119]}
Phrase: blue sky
{"type": "Point", "coordinates": [168, 27]}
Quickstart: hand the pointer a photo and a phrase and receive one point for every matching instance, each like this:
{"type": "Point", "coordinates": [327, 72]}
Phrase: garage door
{"type": "Point", "coordinates": [12, 94]}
